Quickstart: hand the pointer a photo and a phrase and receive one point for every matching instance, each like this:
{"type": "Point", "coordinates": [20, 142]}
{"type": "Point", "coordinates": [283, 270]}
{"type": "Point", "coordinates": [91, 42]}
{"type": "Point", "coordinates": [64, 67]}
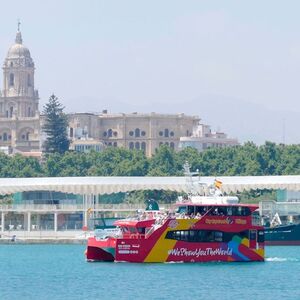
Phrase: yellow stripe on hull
{"type": "Point", "coordinates": [159, 252]}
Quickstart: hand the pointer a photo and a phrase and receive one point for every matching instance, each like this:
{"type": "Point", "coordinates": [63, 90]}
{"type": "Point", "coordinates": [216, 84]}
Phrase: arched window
{"type": "Point", "coordinates": [28, 80]}
{"type": "Point", "coordinates": [131, 133]}
{"type": "Point", "coordinates": [143, 133]}
{"type": "Point", "coordinates": [11, 110]}
{"type": "Point", "coordinates": [137, 145]}
{"type": "Point", "coordinates": [131, 145]}
{"type": "Point", "coordinates": [115, 144]}
{"type": "Point", "coordinates": [71, 132]}
{"type": "Point", "coordinates": [161, 133]}
{"type": "Point", "coordinates": [29, 111]}
{"type": "Point", "coordinates": [167, 143]}
{"type": "Point", "coordinates": [115, 133]}
{"type": "Point", "coordinates": [166, 132]}
{"type": "Point", "coordinates": [137, 132]}
{"type": "Point", "coordinates": [143, 146]}
{"type": "Point", "coordinates": [4, 136]}
{"type": "Point", "coordinates": [27, 136]}
{"type": "Point", "coordinates": [172, 145]}
{"type": "Point", "coordinates": [160, 143]}
{"type": "Point", "coordinates": [11, 64]}
{"type": "Point", "coordinates": [11, 79]}
{"type": "Point", "coordinates": [104, 133]}
{"type": "Point", "coordinates": [109, 132]}
{"type": "Point", "coordinates": [172, 133]}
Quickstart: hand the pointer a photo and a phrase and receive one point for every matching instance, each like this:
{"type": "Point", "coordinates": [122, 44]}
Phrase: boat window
{"type": "Point", "coordinates": [253, 235]}
{"type": "Point", "coordinates": [176, 235]}
{"type": "Point", "coordinates": [246, 211]}
{"type": "Point", "coordinates": [222, 211]}
{"type": "Point", "coordinates": [219, 236]}
{"type": "Point", "coordinates": [141, 230]}
{"type": "Point", "coordinates": [244, 234]}
{"type": "Point", "coordinates": [132, 229]}
{"type": "Point", "coordinates": [185, 235]}
{"type": "Point", "coordinates": [181, 209]}
{"type": "Point", "coordinates": [234, 211]}
{"type": "Point", "coordinates": [260, 236]}
{"type": "Point", "coordinates": [190, 210]}
{"type": "Point", "coordinates": [205, 236]}
{"type": "Point", "coordinates": [192, 235]}
{"type": "Point", "coordinates": [209, 236]}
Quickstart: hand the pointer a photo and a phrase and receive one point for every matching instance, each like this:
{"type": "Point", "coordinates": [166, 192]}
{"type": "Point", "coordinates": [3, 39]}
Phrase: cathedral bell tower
{"type": "Point", "coordinates": [20, 98]}
{"type": "Point", "coordinates": [19, 101]}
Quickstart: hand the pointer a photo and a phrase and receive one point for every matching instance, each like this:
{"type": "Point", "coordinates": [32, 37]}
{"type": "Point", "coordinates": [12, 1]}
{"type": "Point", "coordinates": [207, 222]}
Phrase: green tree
{"type": "Point", "coordinates": [118, 162]}
{"type": "Point", "coordinates": [163, 163]}
{"type": "Point", "coordinates": [55, 127]}
{"type": "Point", "coordinates": [19, 166]}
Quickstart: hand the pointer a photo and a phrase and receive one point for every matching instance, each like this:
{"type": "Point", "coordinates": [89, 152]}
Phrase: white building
{"type": "Point", "coordinates": [203, 137]}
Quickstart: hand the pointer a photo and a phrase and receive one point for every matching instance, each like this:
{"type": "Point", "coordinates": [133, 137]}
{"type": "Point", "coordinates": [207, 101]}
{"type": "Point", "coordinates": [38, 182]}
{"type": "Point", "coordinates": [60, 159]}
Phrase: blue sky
{"type": "Point", "coordinates": [167, 56]}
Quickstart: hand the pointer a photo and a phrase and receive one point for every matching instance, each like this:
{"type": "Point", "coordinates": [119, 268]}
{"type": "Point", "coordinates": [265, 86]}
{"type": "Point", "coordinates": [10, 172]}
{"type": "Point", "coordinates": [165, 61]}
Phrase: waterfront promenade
{"type": "Point", "coordinates": [64, 223]}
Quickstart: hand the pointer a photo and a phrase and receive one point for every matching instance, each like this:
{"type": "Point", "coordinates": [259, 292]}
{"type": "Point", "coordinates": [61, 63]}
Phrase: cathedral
{"type": "Point", "coordinates": [21, 123]}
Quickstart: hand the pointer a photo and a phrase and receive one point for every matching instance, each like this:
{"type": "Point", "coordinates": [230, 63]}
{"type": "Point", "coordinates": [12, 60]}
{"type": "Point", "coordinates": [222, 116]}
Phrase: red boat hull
{"type": "Point", "coordinates": [159, 247]}
{"type": "Point", "coordinates": [100, 250]}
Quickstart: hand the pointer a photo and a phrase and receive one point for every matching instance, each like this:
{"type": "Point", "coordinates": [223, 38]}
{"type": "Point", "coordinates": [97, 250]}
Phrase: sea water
{"type": "Point", "coordinates": [61, 272]}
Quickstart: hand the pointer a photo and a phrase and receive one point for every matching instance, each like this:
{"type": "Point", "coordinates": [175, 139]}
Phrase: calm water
{"type": "Point", "coordinates": [60, 272]}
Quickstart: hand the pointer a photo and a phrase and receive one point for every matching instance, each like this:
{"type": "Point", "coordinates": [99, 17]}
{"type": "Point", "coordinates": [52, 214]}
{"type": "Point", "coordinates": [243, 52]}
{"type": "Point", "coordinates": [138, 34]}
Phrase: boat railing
{"type": "Point", "coordinates": [150, 231]}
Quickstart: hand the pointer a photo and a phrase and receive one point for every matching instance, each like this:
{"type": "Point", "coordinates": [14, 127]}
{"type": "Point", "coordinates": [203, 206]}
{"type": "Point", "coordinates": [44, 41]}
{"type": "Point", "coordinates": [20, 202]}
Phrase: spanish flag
{"type": "Point", "coordinates": [218, 184]}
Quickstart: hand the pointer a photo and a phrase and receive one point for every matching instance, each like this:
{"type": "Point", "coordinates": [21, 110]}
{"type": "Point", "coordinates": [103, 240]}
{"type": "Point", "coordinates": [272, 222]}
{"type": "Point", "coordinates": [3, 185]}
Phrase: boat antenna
{"type": "Point", "coordinates": [193, 189]}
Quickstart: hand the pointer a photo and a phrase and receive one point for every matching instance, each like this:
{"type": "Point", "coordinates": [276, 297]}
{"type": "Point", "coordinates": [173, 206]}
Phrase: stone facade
{"type": "Point", "coordinates": [133, 131]}
{"type": "Point", "coordinates": [19, 101]}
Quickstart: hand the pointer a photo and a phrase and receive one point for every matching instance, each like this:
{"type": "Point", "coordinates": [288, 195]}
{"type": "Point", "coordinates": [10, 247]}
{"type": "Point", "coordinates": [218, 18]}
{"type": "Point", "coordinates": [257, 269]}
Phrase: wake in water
{"type": "Point", "coordinates": [281, 259]}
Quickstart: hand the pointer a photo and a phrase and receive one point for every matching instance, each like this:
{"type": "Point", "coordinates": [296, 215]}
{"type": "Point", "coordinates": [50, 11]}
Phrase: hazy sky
{"type": "Point", "coordinates": [164, 56]}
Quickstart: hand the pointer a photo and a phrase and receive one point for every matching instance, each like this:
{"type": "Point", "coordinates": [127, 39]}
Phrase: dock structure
{"type": "Point", "coordinates": [66, 220]}
{"type": "Point", "coordinates": [48, 222]}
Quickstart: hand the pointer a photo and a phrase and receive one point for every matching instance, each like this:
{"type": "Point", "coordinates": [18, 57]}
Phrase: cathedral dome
{"type": "Point", "coordinates": [18, 49]}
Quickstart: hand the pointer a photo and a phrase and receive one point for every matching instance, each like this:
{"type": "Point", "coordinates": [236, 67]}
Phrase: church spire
{"type": "Point", "coordinates": [19, 35]}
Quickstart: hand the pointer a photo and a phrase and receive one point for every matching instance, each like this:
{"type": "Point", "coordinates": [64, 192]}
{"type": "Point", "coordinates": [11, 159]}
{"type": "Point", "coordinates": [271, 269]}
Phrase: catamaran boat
{"type": "Point", "coordinates": [198, 229]}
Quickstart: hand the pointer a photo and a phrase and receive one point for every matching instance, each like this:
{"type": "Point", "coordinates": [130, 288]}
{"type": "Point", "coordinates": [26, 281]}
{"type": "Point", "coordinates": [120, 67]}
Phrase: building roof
{"type": "Point", "coordinates": [108, 185]}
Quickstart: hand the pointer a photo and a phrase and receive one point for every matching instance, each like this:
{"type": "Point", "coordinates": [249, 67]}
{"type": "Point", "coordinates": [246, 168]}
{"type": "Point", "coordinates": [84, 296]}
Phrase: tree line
{"type": "Point", "coordinates": [248, 159]}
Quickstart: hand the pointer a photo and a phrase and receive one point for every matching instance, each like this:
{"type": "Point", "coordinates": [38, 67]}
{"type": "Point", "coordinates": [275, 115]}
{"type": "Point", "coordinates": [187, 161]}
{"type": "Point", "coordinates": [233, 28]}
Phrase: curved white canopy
{"type": "Point", "coordinates": [108, 185]}
{"type": "Point", "coordinates": [240, 183]}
